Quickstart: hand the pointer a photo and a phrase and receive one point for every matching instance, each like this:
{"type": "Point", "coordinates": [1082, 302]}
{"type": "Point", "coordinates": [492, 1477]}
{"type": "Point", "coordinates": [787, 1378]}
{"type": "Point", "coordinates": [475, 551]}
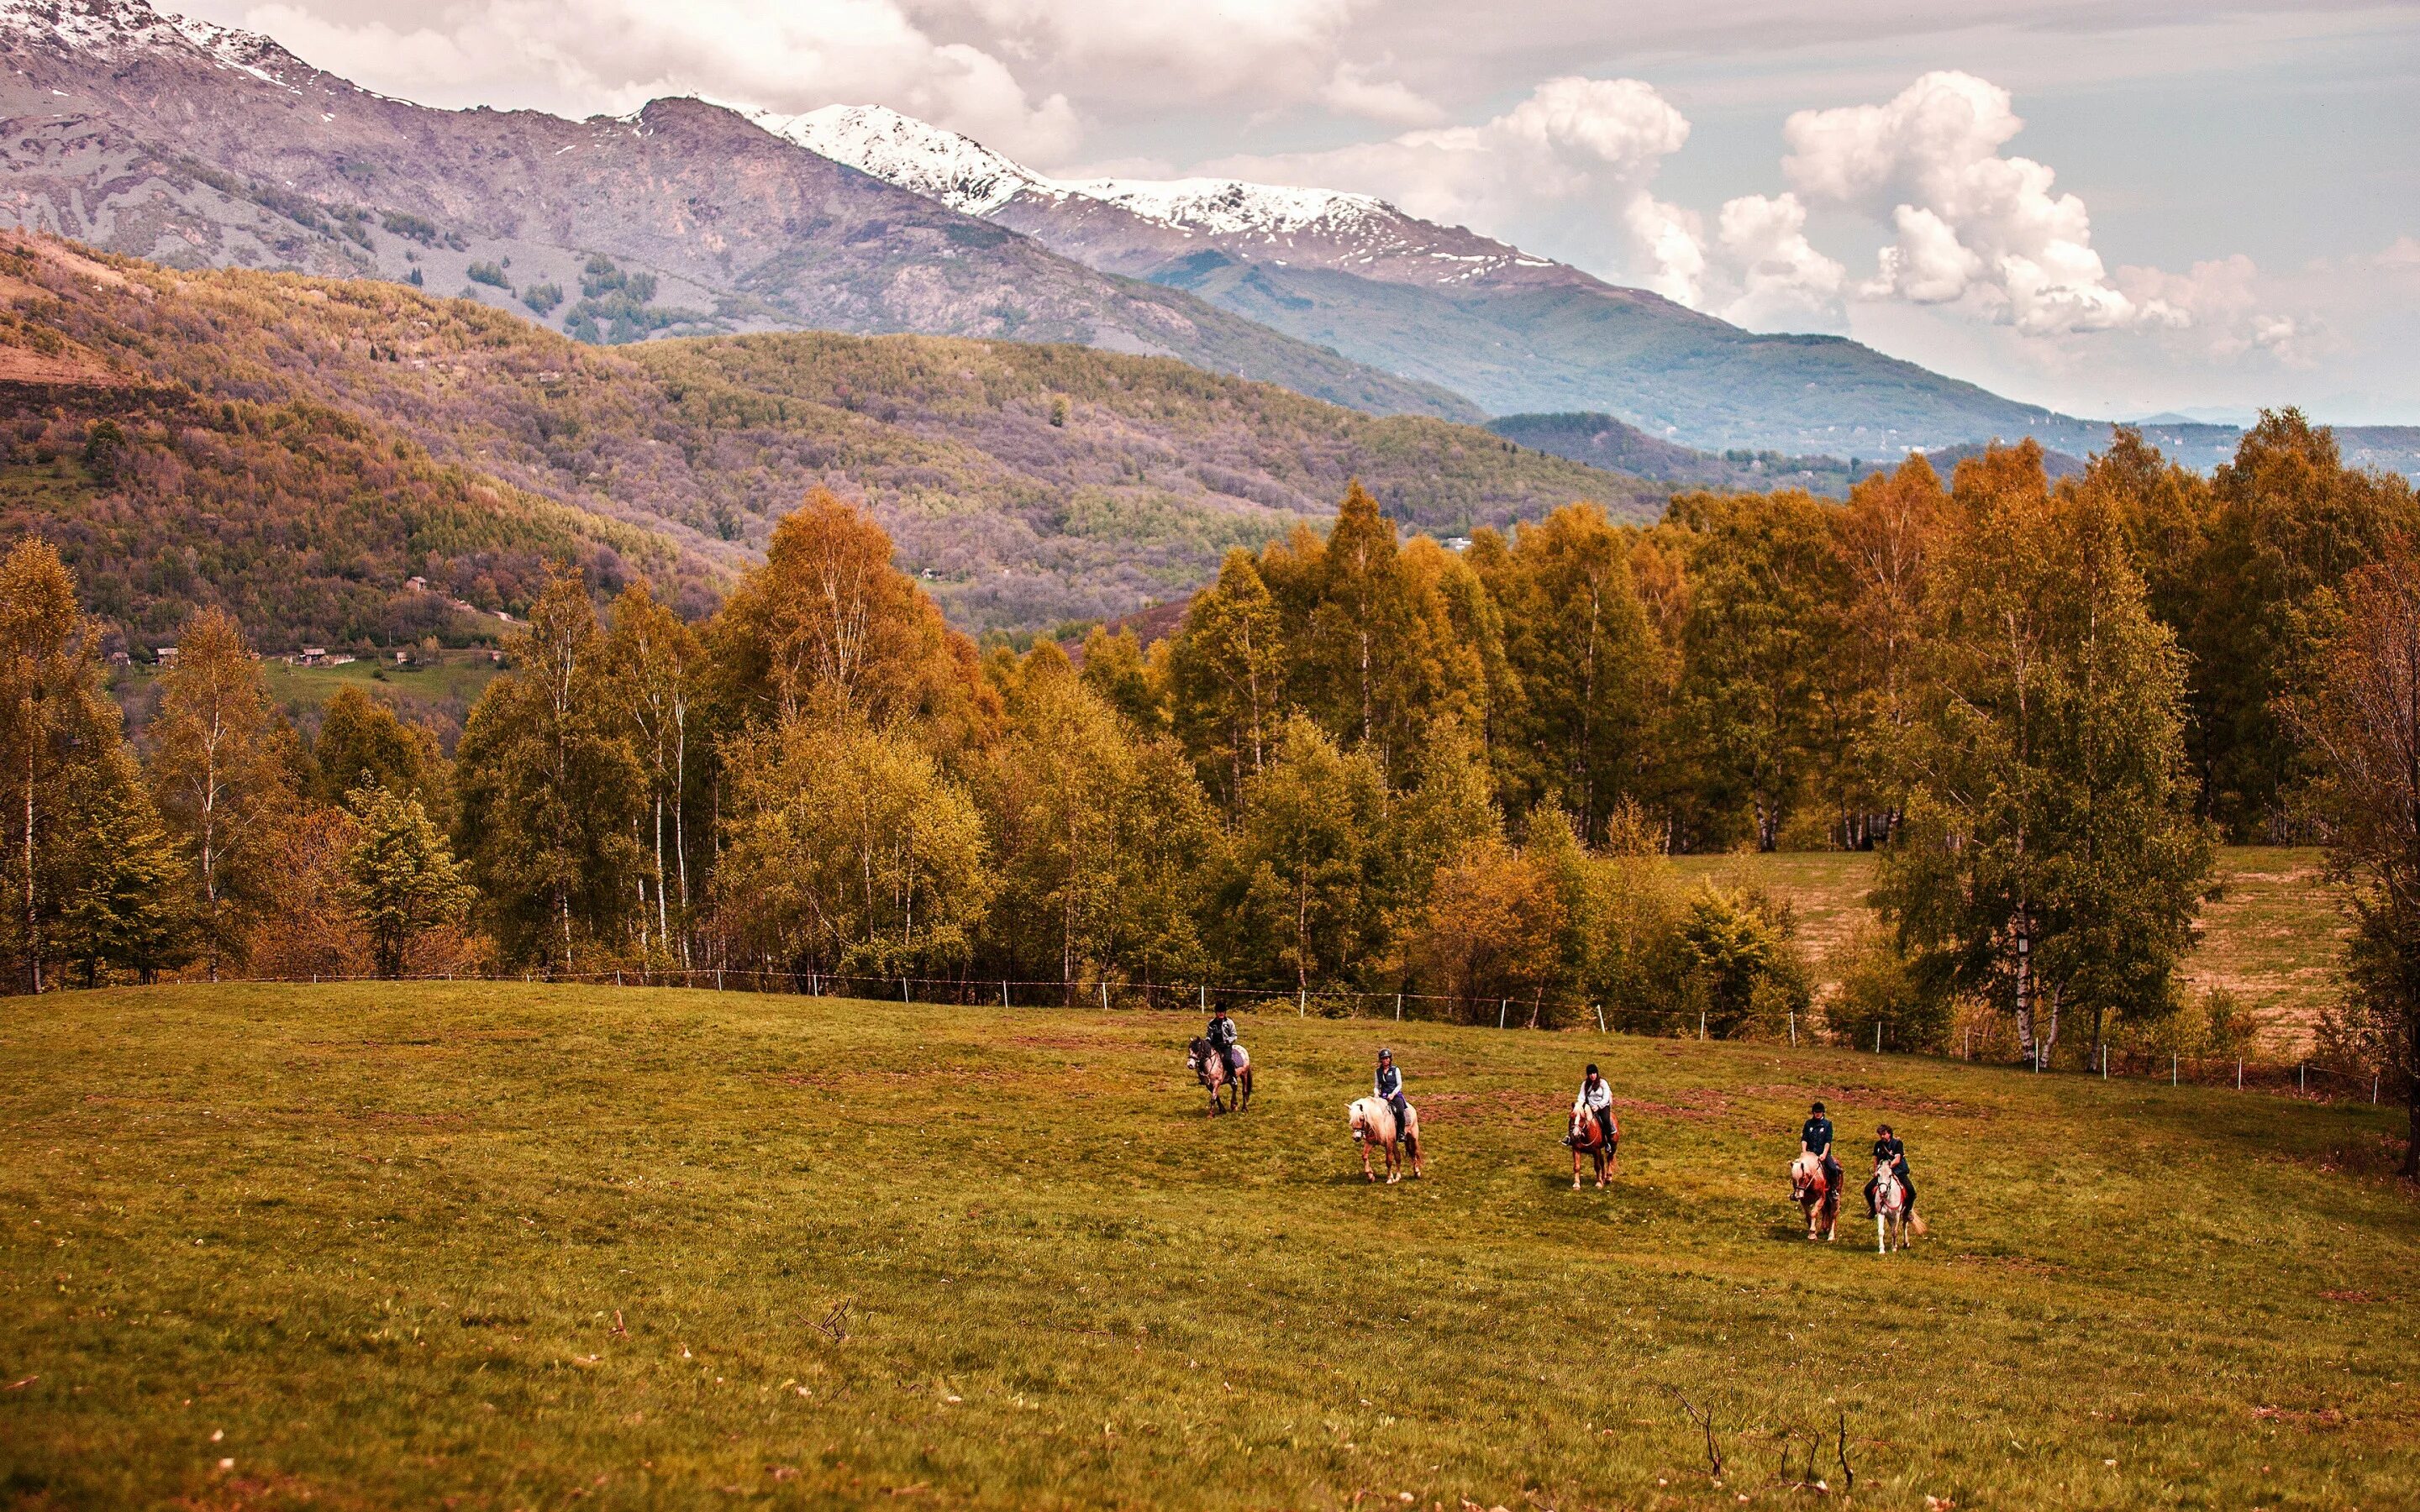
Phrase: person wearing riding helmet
{"type": "Point", "coordinates": [1595, 1097]}
{"type": "Point", "coordinates": [1815, 1138]}
{"type": "Point", "coordinates": [1388, 1089]}
{"type": "Point", "coordinates": [1887, 1149]}
{"type": "Point", "coordinates": [1221, 1036]}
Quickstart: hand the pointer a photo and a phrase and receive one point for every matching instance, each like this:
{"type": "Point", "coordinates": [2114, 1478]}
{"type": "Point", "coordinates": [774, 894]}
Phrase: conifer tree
{"type": "Point", "coordinates": [128, 909]}
{"type": "Point", "coordinates": [1578, 640]}
{"type": "Point", "coordinates": [1227, 676]}
{"type": "Point", "coordinates": [1763, 588]}
{"type": "Point", "coordinates": [405, 880]}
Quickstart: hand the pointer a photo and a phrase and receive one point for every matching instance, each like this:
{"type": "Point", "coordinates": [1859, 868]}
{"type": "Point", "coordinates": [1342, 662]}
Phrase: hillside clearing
{"type": "Point", "coordinates": [510, 1246]}
{"type": "Point", "coordinates": [2270, 935]}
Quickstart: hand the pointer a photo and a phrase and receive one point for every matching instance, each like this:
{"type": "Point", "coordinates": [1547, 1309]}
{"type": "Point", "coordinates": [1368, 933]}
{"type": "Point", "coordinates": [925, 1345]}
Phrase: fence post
{"type": "Point", "coordinates": [1701, 1025]}
{"type": "Point", "coordinates": [2373, 1088]}
{"type": "Point", "coordinates": [903, 989]}
{"type": "Point", "coordinates": [1301, 1001]}
{"type": "Point", "coordinates": [617, 976]}
{"type": "Point", "coordinates": [2238, 1073]}
{"type": "Point", "coordinates": [2301, 1076]}
{"type": "Point", "coordinates": [1205, 998]}
{"type": "Point", "coordinates": [1878, 1037]}
{"type": "Point", "coordinates": [2172, 1071]}
{"type": "Point", "coordinates": [1104, 995]}
{"type": "Point", "coordinates": [1600, 1018]}
{"type": "Point", "coordinates": [1399, 1007]}
{"type": "Point", "coordinates": [2104, 1061]}
{"type": "Point", "coordinates": [1503, 1006]}
{"type": "Point", "coordinates": [1794, 1028]}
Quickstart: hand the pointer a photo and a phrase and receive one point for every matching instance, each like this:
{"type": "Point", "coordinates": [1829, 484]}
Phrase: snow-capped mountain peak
{"type": "Point", "coordinates": [940, 164]}
{"type": "Point", "coordinates": [969, 176]}
{"type": "Point", "coordinates": [120, 30]}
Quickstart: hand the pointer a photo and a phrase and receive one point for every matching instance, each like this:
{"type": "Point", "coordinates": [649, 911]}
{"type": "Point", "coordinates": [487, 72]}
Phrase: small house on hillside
{"type": "Point", "coordinates": [312, 657]}
{"type": "Point", "coordinates": [165, 655]}
{"type": "Point", "coordinates": [418, 585]}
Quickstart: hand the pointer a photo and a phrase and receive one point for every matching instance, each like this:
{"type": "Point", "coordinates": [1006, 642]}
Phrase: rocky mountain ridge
{"type": "Point", "coordinates": [197, 146]}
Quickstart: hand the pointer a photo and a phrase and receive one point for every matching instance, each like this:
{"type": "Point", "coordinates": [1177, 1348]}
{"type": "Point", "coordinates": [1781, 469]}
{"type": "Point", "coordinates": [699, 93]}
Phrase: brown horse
{"type": "Point", "coordinates": [1202, 1060]}
{"type": "Point", "coordinates": [1372, 1122]}
{"type": "Point", "coordinates": [1814, 1193]}
{"type": "Point", "coordinates": [1597, 1135]}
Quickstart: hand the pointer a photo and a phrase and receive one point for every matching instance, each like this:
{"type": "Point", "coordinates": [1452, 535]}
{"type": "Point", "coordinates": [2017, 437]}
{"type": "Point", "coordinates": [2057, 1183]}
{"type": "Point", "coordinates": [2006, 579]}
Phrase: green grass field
{"type": "Point", "coordinates": [2271, 935]}
{"type": "Point", "coordinates": [501, 1246]}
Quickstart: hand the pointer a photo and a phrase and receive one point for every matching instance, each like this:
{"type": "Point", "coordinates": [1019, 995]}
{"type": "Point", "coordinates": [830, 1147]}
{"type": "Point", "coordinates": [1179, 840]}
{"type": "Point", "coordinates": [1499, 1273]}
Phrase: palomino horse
{"type": "Point", "coordinates": [1202, 1060]}
{"type": "Point", "coordinates": [1890, 1208]}
{"type": "Point", "coordinates": [1372, 1121]}
{"type": "Point", "coordinates": [1815, 1197]}
{"type": "Point", "coordinates": [1597, 1135]}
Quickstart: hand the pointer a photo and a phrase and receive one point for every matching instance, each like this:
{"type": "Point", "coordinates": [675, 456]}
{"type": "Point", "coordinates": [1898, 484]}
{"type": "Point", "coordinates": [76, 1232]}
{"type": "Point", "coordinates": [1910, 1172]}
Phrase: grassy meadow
{"type": "Point", "coordinates": [507, 1246]}
{"type": "Point", "coordinates": [2269, 935]}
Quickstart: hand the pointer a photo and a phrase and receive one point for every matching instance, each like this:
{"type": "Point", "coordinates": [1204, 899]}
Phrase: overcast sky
{"type": "Point", "coordinates": [2113, 209]}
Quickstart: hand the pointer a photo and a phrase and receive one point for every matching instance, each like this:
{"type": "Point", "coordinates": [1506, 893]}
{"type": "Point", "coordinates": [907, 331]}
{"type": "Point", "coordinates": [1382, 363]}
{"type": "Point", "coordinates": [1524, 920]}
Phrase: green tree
{"type": "Point", "coordinates": [128, 909]}
{"type": "Point", "coordinates": [55, 724]}
{"type": "Point", "coordinates": [1576, 639]}
{"type": "Point", "coordinates": [1766, 584]}
{"type": "Point", "coordinates": [2050, 859]}
{"type": "Point", "coordinates": [1227, 676]}
{"type": "Point", "coordinates": [549, 795]}
{"type": "Point", "coordinates": [847, 848]}
{"type": "Point", "coordinates": [1116, 669]}
{"type": "Point", "coordinates": [2292, 520]}
{"type": "Point", "coordinates": [1745, 968]}
{"type": "Point", "coordinates": [405, 880]}
{"type": "Point", "coordinates": [361, 739]}
{"type": "Point", "coordinates": [220, 765]}
{"type": "Point", "coordinates": [1305, 900]}
{"type": "Point", "coordinates": [1885, 539]}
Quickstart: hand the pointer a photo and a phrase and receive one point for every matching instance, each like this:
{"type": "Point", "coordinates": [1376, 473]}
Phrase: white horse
{"type": "Point", "coordinates": [1890, 1209]}
{"type": "Point", "coordinates": [1372, 1122]}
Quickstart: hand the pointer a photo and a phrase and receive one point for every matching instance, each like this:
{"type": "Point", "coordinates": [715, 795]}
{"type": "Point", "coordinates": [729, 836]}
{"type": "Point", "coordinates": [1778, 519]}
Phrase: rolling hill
{"type": "Point", "coordinates": [507, 1246]}
{"type": "Point", "coordinates": [300, 447]}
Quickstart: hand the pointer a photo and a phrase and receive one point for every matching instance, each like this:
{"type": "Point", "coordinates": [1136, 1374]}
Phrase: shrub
{"type": "Point", "coordinates": [542, 297]}
{"type": "Point", "coordinates": [489, 274]}
{"type": "Point", "coordinates": [1879, 990]}
{"type": "Point", "coordinates": [409, 227]}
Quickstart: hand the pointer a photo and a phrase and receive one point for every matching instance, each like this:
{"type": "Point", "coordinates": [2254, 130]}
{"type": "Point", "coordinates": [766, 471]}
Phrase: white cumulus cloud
{"type": "Point", "coordinates": [1970, 224]}
{"type": "Point", "coordinates": [1777, 276]}
{"type": "Point", "coordinates": [1590, 142]}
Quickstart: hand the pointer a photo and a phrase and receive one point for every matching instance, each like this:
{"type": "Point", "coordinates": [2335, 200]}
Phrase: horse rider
{"type": "Point", "coordinates": [1221, 1035]}
{"type": "Point", "coordinates": [1889, 1150]}
{"type": "Point", "coordinates": [1815, 1138]}
{"type": "Point", "coordinates": [1595, 1097]}
{"type": "Point", "coordinates": [1388, 1089]}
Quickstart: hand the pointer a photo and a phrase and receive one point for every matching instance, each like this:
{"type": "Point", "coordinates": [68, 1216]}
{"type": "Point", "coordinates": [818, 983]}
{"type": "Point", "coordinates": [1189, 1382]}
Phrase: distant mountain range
{"type": "Point", "coordinates": [195, 145]}
{"type": "Point", "coordinates": [1514, 332]}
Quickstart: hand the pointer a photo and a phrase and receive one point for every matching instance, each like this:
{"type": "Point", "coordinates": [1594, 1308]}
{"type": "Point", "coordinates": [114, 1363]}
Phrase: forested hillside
{"type": "Point", "coordinates": [182, 443]}
{"type": "Point", "coordinates": [1363, 761]}
{"type": "Point", "coordinates": [1034, 484]}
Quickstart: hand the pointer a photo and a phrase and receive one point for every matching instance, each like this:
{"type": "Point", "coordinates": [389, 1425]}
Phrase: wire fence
{"type": "Point", "coordinates": [2313, 1078]}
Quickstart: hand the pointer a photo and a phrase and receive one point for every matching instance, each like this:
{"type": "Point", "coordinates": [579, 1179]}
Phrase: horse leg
{"type": "Point", "coordinates": [1881, 1233]}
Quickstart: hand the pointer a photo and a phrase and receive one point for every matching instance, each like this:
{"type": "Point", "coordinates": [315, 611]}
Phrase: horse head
{"type": "Point", "coordinates": [1356, 1117]}
{"type": "Point", "coordinates": [1806, 1176]}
